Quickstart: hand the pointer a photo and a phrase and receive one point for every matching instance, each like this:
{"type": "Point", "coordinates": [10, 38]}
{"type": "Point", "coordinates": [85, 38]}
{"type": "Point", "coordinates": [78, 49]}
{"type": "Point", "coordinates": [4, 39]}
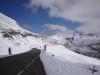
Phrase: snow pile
{"type": "Point", "coordinates": [59, 60]}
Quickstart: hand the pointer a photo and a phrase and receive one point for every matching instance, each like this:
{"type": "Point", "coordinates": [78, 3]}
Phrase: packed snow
{"type": "Point", "coordinates": [59, 60]}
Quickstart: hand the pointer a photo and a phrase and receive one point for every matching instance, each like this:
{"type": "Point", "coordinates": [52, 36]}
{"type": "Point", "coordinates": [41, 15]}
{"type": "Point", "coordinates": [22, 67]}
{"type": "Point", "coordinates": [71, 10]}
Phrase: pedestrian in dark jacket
{"type": "Point", "coordinates": [45, 47]}
{"type": "Point", "coordinates": [9, 50]}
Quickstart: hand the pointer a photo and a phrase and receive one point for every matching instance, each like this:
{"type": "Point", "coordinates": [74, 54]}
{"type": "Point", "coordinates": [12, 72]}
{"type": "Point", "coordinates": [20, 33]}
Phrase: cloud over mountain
{"type": "Point", "coordinates": [58, 28]}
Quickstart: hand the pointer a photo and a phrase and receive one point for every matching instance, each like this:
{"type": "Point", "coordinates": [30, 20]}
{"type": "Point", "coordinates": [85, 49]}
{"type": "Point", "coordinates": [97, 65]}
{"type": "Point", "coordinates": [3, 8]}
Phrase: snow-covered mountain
{"type": "Point", "coordinates": [86, 44]}
{"type": "Point", "coordinates": [15, 37]}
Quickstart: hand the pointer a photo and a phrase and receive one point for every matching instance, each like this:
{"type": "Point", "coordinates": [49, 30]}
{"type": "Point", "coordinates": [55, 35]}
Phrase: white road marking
{"type": "Point", "coordinates": [20, 72]}
{"type": "Point", "coordinates": [27, 66]}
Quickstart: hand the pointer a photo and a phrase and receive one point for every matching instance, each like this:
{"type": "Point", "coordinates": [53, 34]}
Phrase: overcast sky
{"type": "Point", "coordinates": [47, 16]}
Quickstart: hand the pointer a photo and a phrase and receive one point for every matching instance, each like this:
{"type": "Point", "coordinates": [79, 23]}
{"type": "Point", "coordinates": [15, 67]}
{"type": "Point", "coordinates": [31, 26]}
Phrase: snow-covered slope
{"type": "Point", "coordinates": [59, 60]}
{"type": "Point", "coordinates": [86, 44]}
{"type": "Point", "coordinates": [8, 23]}
{"type": "Point", "coordinates": [15, 37]}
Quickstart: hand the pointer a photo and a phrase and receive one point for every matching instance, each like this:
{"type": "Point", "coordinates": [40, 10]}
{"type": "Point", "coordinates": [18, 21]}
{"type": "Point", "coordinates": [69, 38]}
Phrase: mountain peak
{"type": "Point", "coordinates": [8, 23]}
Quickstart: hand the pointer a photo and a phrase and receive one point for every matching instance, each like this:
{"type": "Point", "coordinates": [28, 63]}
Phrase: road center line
{"type": "Point", "coordinates": [27, 66]}
{"type": "Point", "coordinates": [20, 72]}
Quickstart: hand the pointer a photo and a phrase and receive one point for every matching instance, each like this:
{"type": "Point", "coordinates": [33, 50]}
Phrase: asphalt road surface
{"type": "Point", "coordinates": [23, 64]}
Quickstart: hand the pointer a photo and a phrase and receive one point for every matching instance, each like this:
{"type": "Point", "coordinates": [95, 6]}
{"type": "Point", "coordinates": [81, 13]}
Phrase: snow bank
{"type": "Point", "coordinates": [19, 45]}
{"type": "Point", "coordinates": [58, 60]}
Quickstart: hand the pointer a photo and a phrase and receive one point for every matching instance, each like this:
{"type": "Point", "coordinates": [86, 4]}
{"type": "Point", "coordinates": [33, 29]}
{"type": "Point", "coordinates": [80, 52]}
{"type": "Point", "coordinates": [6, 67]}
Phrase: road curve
{"type": "Point", "coordinates": [23, 64]}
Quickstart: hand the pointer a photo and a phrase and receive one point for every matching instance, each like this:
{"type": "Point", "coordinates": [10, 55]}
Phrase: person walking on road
{"type": "Point", "coordinates": [45, 47]}
{"type": "Point", "coordinates": [9, 50]}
